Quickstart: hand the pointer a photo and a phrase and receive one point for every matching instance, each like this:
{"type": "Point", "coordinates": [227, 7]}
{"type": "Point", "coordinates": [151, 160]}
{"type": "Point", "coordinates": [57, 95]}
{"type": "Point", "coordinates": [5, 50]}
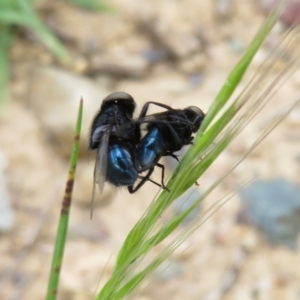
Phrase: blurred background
{"type": "Point", "coordinates": [175, 52]}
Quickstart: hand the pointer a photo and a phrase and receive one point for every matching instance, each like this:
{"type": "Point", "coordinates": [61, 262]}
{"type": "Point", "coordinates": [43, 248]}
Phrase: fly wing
{"type": "Point", "coordinates": [101, 161]}
{"type": "Point", "coordinates": [174, 116]}
{"type": "Point", "coordinates": [100, 169]}
{"type": "Point", "coordinates": [127, 129]}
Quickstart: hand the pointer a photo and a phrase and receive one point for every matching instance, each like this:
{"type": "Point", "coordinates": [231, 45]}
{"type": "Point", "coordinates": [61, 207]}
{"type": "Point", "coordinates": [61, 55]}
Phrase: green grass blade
{"type": "Point", "coordinates": [137, 279]}
{"type": "Point", "coordinates": [93, 5]}
{"type": "Point", "coordinates": [58, 253]}
{"type": "Point", "coordinates": [220, 129]}
{"type": "Point", "coordinates": [224, 95]}
{"type": "Point", "coordinates": [50, 40]}
{"type": "Point", "coordinates": [25, 15]}
{"type": "Point", "coordinates": [22, 13]}
{"type": "Point", "coordinates": [5, 41]}
{"type": "Point", "coordinates": [239, 70]}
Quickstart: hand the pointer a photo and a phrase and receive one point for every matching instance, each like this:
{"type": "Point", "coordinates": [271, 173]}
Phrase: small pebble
{"type": "Point", "coordinates": [185, 201]}
{"type": "Point", "coordinates": [168, 270]}
{"type": "Point", "coordinates": [236, 45]}
{"type": "Point", "coordinates": [120, 64]}
{"type": "Point", "coordinates": [293, 118]}
{"type": "Point", "coordinates": [296, 79]}
{"type": "Point", "coordinates": [273, 207]}
{"type": "Point", "coordinates": [291, 13]}
{"type": "Point", "coordinates": [193, 64]}
{"type": "Point", "coordinates": [80, 65]}
{"type": "Point", "coordinates": [155, 55]}
{"type": "Point", "coordinates": [7, 219]}
{"type": "Point", "coordinates": [223, 9]}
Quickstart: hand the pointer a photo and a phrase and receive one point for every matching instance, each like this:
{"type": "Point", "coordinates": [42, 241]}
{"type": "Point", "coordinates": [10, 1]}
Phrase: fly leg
{"type": "Point", "coordinates": [132, 189]}
{"type": "Point", "coordinates": [162, 176]}
{"type": "Point", "coordinates": [146, 106]}
{"type": "Point", "coordinates": [172, 155]}
{"type": "Point", "coordinates": [175, 134]}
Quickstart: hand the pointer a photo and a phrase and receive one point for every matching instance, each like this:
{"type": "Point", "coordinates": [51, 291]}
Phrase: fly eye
{"type": "Point", "coordinates": [119, 96]}
{"type": "Point", "coordinates": [196, 110]}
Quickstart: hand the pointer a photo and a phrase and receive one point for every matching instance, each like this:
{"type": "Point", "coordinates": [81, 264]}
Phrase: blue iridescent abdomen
{"type": "Point", "coordinates": [151, 148]}
{"type": "Point", "coordinates": [120, 167]}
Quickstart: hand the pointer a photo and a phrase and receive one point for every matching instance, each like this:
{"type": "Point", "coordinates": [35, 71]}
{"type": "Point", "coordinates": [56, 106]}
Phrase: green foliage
{"type": "Point", "coordinates": [5, 41]}
{"type": "Point", "coordinates": [22, 13]}
{"type": "Point", "coordinates": [96, 5]}
{"type": "Point", "coordinates": [62, 229]}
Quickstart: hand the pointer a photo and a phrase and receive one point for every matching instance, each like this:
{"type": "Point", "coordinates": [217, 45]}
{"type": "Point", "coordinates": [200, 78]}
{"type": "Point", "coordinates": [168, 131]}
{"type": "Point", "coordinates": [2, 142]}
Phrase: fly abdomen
{"type": "Point", "coordinates": [120, 167]}
{"type": "Point", "coordinates": [151, 148]}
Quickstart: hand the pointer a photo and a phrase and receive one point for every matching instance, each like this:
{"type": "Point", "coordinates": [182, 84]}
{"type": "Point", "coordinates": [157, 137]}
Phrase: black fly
{"type": "Point", "coordinates": [115, 154]}
{"type": "Point", "coordinates": [121, 153]}
{"type": "Point", "coordinates": [167, 132]}
{"type": "Point", "coordinates": [116, 159]}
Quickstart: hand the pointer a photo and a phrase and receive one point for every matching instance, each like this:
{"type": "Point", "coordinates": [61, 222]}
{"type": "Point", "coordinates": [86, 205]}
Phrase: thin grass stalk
{"type": "Point", "coordinates": [232, 132]}
{"type": "Point", "coordinates": [142, 239]}
{"type": "Point", "coordinates": [139, 277]}
{"type": "Point", "coordinates": [260, 96]}
{"type": "Point", "coordinates": [62, 229]}
{"type": "Point", "coordinates": [137, 241]}
{"type": "Point", "coordinates": [238, 72]}
{"type": "Point", "coordinates": [265, 133]}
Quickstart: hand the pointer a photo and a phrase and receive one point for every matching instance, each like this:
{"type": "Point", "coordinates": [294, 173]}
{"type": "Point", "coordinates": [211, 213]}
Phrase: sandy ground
{"type": "Point", "coordinates": [196, 44]}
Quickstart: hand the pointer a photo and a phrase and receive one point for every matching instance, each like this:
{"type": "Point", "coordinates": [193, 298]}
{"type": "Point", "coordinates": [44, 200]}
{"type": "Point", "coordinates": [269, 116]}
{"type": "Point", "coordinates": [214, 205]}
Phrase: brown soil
{"type": "Point", "coordinates": [213, 262]}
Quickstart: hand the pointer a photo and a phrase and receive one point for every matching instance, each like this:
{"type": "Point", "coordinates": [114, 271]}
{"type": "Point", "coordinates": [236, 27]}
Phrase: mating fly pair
{"type": "Point", "coordinates": [122, 154]}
